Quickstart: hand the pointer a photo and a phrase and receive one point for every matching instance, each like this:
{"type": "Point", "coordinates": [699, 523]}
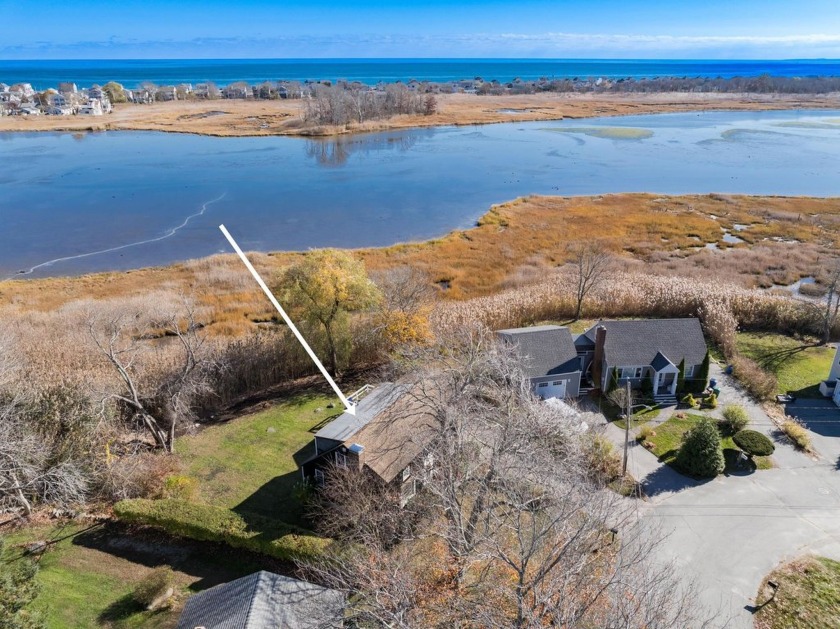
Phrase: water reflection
{"type": "Point", "coordinates": [336, 151]}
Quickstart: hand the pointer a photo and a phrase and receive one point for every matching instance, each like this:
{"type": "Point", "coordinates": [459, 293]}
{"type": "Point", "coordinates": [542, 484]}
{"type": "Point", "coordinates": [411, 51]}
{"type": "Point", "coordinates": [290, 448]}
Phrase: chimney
{"type": "Point", "coordinates": [598, 357]}
{"type": "Point", "coordinates": [356, 456]}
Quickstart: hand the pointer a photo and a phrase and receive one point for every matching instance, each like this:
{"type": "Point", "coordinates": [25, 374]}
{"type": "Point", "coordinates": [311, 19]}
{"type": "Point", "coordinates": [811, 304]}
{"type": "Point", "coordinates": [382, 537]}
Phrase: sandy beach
{"type": "Point", "coordinates": [234, 118]}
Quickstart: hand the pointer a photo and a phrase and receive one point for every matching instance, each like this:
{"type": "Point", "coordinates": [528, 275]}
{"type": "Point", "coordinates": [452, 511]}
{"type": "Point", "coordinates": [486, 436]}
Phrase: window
{"type": "Point", "coordinates": [631, 372]}
{"type": "Point", "coordinates": [341, 459]}
{"type": "Point", "coordinates": [558, 383]}
{"type": "Point", "coordinates": [407, 492]}
{"type": "Point", "coordinates": [542, 384]}
{"type": "Point", "coordinates": [319, 477]}
{"type": "Point", "coordinates": [689, 371]}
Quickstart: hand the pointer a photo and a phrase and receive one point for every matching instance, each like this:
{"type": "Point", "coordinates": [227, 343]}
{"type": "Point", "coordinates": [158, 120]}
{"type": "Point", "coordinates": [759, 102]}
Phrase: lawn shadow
{"type": "Point", "coordinates": [665, 479]}
{"type": "Point", "coordinates": [208, 563]}
{"type": "Point", "coordinates": [121, 609]}
{"type": "Point", "coordinates": [281, 498]}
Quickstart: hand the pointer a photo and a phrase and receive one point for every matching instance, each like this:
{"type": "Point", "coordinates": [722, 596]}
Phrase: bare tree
{"type": "Point", "coordinates": [157, 395]}
{"type": "Point", "coordinates": [832, 300]}
{"type": "Point", "coordinates": [591, 265]}
{"type": "Point", "coordinates": [528, 538]}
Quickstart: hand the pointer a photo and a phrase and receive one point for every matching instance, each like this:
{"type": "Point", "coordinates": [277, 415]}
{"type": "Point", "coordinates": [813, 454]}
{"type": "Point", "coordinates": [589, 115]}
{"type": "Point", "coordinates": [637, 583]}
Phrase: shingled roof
{"type": "Point", "coordinates": [264, 600]}
{"type": "Point", "coordinates": [546, 350]}
{"type": "Point", "coordinates": [637, 342]}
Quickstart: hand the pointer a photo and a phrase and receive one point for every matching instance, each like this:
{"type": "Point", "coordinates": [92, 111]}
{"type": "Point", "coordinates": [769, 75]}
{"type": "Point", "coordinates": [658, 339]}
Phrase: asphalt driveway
{"type": "Point", "coordinates": [728, 533]}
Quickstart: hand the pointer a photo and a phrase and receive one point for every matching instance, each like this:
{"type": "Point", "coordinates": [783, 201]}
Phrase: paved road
{"type": "Point", "coordinates": [730, 532]}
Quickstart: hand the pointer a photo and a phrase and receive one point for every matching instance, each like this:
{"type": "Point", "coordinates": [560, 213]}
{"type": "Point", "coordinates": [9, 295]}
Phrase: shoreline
{"type": "Point", "coordinates": [512, 244]}
{"type": "Point", "coordinates": [249, 118]}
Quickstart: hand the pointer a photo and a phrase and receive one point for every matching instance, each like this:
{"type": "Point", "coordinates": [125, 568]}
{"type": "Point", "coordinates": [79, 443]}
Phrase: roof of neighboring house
{"type": "Point", "coordinates": [546, 350]}
{"type": "Point", "coordinates": [637, 342]}
{"type": "Point", "coordinates": [394, 423]}
{"type": "Point", "coordinates": [264, 600]}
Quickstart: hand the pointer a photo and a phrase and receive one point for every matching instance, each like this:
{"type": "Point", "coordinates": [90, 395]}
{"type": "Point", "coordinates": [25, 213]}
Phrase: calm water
{"type": "Point", "coordinates": [154, 198]}
{"type": "Point", "coordinates": [44, 74]}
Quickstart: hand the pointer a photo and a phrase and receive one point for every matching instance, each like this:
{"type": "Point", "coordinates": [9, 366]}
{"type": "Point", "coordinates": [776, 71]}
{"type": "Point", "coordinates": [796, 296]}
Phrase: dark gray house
{"type": "Point", "coordinates": [549, 359]}
{"type": "Point", "coordinates": [388, 436]}
{"type": "Point", "coordinates": [562, 365]}
{"type": "Point", "coordinates": [264, 600]}
{"type": "Point", "coordinates": [645, 348]}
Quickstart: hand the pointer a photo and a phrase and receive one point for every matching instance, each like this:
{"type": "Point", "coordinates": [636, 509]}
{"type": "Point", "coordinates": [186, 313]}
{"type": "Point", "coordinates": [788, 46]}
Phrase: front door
{"type": "Point", "coordinates": [666, 381]}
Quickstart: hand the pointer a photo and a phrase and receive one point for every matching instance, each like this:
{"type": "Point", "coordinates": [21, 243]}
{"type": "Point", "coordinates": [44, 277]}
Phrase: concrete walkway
{"type": "Point", "coordinates": [729, 532]}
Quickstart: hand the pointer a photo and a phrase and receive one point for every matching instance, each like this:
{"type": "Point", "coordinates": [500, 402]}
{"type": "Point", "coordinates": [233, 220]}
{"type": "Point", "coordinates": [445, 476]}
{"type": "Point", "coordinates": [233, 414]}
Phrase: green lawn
{"type": "Point", "coordinates": [668, 439]}
{"type": "Point", "coordinates": [251, 462]}
{"type": "Point", "coordinates": [798, 365]}
{"type": "Point", "coordinates": [808, 595]}
{"type": "Point", "coordinates": [86, 579]}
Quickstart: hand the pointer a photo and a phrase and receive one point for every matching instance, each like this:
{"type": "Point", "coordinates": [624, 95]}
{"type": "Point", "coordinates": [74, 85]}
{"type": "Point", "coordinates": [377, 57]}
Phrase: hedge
{"type": "Point", "coordinates": [754, 443]}
{"type": "Point", "coordinates": [215, 524]}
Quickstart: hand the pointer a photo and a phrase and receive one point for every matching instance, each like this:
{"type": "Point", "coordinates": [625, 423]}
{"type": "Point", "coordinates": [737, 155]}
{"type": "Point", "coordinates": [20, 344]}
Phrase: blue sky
{"type": "Point", "coordinates": [698, 29]}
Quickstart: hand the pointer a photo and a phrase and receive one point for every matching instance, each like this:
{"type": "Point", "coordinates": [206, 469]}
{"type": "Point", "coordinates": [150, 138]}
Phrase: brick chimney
{"type": "Point", "coordinates": [598, 357]}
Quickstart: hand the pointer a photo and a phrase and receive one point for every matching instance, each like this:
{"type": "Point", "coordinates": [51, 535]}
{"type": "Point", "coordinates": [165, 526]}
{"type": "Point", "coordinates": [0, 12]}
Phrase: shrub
{"type": "Point", "coordinates": [758, 382]}
{"type": "Point", "coordinates": [153, 586]}
{"type": "Point", "coordinates": [647, 386]}
{"type": "Point", "coordinates": [797, 434]}
{"type": "Point", "coordinates": [215, 524]}
{"type": "Point", "coordinates": [681, 377]}
{"type": "Point", "coordinates": [602, 460]}
{"type": "Point", "coordinates": [754, 443]}
{"type": "Point", "coordinates": [645, 433]}
{"type": "Point", "coordinates": [689, 401]}
{"type": "Point", "coordinates": [700, 453]}
{"type": "Point", "coordinates": [180, 487]}
{"type": "Point", "coordinates": [735, 419]}
{"type": "Point", "coordinates": [712, 401]}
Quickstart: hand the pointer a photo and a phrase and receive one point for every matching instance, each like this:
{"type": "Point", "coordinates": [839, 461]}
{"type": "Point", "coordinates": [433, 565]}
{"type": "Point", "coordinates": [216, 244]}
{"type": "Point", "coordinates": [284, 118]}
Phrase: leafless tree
{"type": "Point", "coordinates": [158, 397]}
{"type": "Point", "coordinates": [832, 300]}
{"type": "Point", "coordinates": [405, 289]}
{"type": "Point", "coordinates": [591, 265]}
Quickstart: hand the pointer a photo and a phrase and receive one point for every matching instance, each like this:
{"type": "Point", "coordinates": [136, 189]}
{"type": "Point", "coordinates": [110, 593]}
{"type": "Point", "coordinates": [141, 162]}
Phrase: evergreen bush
{"type": "Point", "coordinates": [754, 443]}
{"type": "Point", "coordinates": [701, 454]}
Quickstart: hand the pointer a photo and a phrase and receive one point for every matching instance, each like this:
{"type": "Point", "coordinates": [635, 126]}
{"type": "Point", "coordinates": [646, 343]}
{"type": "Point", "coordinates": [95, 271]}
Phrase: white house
{"type": "Point", "coordinates": [828, 387]}
{"type": "Point", "coordinates": [93, 108]}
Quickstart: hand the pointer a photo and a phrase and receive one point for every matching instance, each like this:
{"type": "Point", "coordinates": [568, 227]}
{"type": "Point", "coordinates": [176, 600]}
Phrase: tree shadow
{"type": "Point", "coordinates": [735, 465]}
{"type": "Point", "coordinates": [775, 359]}
{"type": "Point", "coordinates": [121, 609]}
{"type": "Point", "coordinates": [665, 479]}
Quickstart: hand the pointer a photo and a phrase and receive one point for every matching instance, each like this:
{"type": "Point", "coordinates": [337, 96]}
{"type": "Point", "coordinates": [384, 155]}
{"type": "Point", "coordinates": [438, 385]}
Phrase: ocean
{"type": "Point", "coordinates": [132, 72]}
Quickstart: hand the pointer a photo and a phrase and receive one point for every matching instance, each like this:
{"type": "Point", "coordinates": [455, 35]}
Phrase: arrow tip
{"type": "Point", "coordinates": [351, 408]}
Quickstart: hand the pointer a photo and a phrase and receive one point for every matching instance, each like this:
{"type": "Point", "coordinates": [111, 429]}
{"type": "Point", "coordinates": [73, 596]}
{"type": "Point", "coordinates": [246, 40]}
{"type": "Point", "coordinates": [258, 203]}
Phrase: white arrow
{"type": "Point", "coordinates": [347, 405]}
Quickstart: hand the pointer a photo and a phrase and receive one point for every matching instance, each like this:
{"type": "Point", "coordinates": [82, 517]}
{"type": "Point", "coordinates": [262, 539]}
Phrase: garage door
{"type": "Point", "coordinates": [556, 388]}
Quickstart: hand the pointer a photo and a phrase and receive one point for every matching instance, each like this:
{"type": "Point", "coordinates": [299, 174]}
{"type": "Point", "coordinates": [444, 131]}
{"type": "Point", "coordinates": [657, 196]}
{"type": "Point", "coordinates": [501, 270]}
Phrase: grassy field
{"type": "Point", "coordinates": [251, 463]}
{"type": "Point", "coordinates": [798, 365]}
{"type": "Point", "coordinates": [87, 578]}
{"type": "Point", "coordinates": [808, 595]}
{"type": "Point", "coordinates": [513, 244]}
{"type": "Point", "coordinates": [668, 439]}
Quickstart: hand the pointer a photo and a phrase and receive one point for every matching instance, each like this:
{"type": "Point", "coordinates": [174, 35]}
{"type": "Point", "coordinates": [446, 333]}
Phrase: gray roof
{"type": "Point", "coordinates": [264, 600]}
{"type": "Point", "coordinates": [346, 425]}
{"type": "Point", "coordinates": [546, 350]}
{"type": "Point", "coordinates": [660, 361]}
{"type": "Point", "coordinates": [637, 342]}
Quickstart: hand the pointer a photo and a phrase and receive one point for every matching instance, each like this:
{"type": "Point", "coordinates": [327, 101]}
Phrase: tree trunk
{"type": "Point", "coordinates": [333, 355]}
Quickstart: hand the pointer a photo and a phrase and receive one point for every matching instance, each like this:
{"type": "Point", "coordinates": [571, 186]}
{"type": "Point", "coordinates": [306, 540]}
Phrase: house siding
{"type": "Point", "coordinates": [572, 382]}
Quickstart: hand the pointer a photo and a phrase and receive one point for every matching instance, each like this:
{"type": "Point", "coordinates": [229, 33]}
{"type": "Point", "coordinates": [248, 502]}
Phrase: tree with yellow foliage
{"type": "Point", "coordinates": [323, 289]}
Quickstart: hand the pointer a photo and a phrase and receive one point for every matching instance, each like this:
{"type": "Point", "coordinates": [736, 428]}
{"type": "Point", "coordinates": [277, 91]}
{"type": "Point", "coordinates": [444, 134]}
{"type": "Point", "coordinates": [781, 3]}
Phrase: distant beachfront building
{"type": "Point", "coordinates": [68, 88]}
{"type": "Point", "coordinates": [92, 108]}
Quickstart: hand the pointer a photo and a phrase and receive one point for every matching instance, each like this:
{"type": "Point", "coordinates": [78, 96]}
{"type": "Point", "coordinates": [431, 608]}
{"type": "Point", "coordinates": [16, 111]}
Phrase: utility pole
{"type": "Point", "coordinates": [628, 402]}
